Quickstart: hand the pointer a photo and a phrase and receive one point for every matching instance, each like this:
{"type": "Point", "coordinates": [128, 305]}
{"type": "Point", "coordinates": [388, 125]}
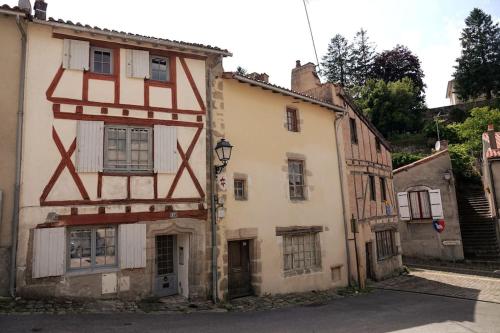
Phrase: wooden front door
{"type": "Point", "coordinates": [239, 269]}
{"type": "Point", "coordinates": [166, 265]}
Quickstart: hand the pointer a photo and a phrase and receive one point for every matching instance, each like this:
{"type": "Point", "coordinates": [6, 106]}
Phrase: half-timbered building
{"type": "Point", "coordinates": [113, 199]}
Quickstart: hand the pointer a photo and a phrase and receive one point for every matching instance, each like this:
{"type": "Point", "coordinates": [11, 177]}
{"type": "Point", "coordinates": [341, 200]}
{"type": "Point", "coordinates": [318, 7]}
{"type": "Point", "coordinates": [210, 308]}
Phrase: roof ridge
{"type": "Point", "coordinates": [420, 161]}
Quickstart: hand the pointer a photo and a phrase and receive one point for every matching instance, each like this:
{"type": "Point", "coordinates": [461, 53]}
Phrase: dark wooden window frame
{"type": "Point", "coordinates": [373, 190]}
{"type": "Point", "coordinates": [292, 119]}
{"type": "Point", "coordinates": [383, 190]}
{"type": "Point", "coordinates": [354, 130]}
{"type": "Point", "coordinates": [378, 145]}
{"type": "Point", "coordinates": [386, 245]}
{"type": "Point", "coordinates": [426, 194]}
{"type": "Point", "coordinates": [297, 191]}
{"type": "Point", "coordinates": [240, 189]}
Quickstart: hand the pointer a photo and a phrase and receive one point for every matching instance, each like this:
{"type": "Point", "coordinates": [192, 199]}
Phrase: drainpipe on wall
{"type": "Point", "coordinates": [342, 192]}
{"type": "Point", "coordinates": [212, 194]}
{"type": "Point", "coordinates": [19, 137]}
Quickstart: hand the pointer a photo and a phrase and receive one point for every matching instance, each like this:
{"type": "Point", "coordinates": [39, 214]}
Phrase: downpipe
{"type": "Point", "coordinates": [19, 137]}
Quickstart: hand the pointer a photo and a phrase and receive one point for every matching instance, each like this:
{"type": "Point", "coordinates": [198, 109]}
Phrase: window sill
{"type": "Point", "coordinates": [123, 173]}
{"type": "Point", "coordinates": [422, 221]}
{"type": "Point", "coordinates": [302, 271]}
{"type": "Point", "coordinates": [102, 270]}
{"type": "Point", "coordinates": [297, 200]}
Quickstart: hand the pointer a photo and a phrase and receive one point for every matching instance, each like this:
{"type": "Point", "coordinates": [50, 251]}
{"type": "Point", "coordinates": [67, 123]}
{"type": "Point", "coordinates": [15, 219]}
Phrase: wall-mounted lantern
{"type": "Point", "coordinates": [223, 151]}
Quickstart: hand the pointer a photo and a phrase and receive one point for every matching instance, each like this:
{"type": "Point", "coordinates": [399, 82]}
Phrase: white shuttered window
{"type": "Point", "coordinates": [165, 151]}
{"type": "Point", "coordinates": [49, 248]}
{"type": "Point", "coordinates": [132, 245]}
{"type": "Point", "coordinates": [76, 54]}
{"type": "Point", "coordinates": [89, 143]}
{"type": "Point", "coordinates": [404, 207]}
{"type": "Point", "coordinates": [436, 204]}
{"type": "Point", "coordinates": [138, 64]}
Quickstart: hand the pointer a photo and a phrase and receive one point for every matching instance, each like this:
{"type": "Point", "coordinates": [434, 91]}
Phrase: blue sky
{"type": "Point", "coordinates": [269, 35]}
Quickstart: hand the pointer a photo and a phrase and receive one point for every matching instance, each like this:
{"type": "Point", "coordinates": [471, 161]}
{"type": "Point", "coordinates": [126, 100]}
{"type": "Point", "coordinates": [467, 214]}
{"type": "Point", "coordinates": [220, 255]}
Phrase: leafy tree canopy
{"type": "Point", "coordinates": [336, 63]}
{"type": "Point", "coordinates": [361, 58]}
{"type": "Point", "coordinates": [396, 64]}
{"type": "Point", "coordinates": [478, 69]}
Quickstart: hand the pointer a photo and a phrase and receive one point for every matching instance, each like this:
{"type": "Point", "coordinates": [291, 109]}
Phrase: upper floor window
{"type": "Point", "coordinates": [128, 148]}
{"type": "Point", "coordinates": [383, 189]}
{"type": "Point", "coordinates": [373, 193]}
{"type": "Point", "coordinates": [92, 247]}
{"type": "Point", "coordinates": [420, 205]}
{"type": "Point", "coordinates": [354, 130]}
{"type": "Point", "coordinates": [240, 192]}
{"type": "Point", "coordinates": [159, 68]}
{"type": "Point", "coordinates": [292, 121]}
{"type": "Point", "coordinates": [101, 60]}
{"type": "Point", "coordinates": [296, 179]}
{"type": "Point", "coordinates": [377, 144]}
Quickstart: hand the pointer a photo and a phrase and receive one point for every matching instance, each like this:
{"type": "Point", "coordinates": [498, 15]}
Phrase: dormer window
{"type": "Point", "coordinates": [101, 60]}
{"type": "Point", "coordinates": [160, 68]}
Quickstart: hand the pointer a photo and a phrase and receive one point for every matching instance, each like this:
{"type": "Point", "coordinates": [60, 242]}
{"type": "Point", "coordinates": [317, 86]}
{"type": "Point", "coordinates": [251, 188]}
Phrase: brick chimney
{"type": "Point", "coordinates": [41, 10]}
{"type": "Point", "coordinates": [304, 77]}
{"type": "Point", "coordinates": [491, 136]}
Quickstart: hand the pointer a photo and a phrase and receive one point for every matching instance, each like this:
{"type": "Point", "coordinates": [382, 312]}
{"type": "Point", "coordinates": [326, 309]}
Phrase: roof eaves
{"type": "Point", "coordinates": [284, 91]}
{"type": "Point", "coordinates": [134, 37]}
{"type": "Point", "coordinates": [6, 9]}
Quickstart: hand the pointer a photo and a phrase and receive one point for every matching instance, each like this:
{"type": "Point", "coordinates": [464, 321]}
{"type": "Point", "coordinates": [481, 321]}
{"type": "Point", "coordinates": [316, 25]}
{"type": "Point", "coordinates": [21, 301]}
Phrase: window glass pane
{"type": "Point", "coordinates": [426, 205]}
{"type": "Point", "coordinates": [159, 68]}
{"type": "Point", "coordinates": [106, 68]}
{"type": "Point", "coordinates": [80, 248]}
{"type": "Point", "coordinates": [105, 246]}
{"type": "Point", "coordinates": [415, 205]}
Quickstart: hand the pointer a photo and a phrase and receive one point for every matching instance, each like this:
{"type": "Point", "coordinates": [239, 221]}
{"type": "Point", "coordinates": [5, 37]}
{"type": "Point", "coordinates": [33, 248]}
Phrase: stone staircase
{"type": "Point", "coordinates": [479, 234]}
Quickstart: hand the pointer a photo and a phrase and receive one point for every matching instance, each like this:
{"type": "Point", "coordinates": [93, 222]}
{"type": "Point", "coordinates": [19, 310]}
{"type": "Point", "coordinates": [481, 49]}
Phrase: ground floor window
{"type": "Point", "coordinates": [301, 251]}
{"type": "Point", "coordinates": [92, 247]}
{"type": "Point", "coordinates": [386, 244]}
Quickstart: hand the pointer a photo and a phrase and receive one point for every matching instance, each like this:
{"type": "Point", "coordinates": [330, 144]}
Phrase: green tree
{"type": "Point", "coordinates": [361, 58]}
{"type": "Point", "coordinates": [396, 64]}
{"type": "Point", "coordinates": [241, 71]}
{"type": "Point", "coordinates": [393, 107]}
{"type": "Point", "coordinates": [336, 63]}
{"type": "Point", "coordinates": [471, 130]}
{"type": "Point", "coordinates": [478, 70]}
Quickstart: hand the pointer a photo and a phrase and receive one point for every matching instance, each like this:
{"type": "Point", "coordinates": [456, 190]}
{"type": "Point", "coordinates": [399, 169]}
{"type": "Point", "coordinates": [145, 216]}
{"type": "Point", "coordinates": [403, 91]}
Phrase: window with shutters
{"type": "Point", "coordinates": [292, 121]}
{"type": "Point", "coordinates": [420, 205]}
{"type": "Point", "coordinates": [101, 60]}
{"type": "Point", "coordinates": [159, 67]}
{"type": "Point", "coordinates": [301, 251]}
{"type": "Point", "coordinates": [92, 247]}
{"type": "Point", "coordinates": [386, 245]}
{"type": "Point", "coordinates": [128, 149]}
{"type": "Point", "coordinates": [296, 181]}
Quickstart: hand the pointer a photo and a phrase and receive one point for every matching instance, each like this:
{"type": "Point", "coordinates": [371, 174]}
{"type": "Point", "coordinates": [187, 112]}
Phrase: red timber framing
{"type": "Point", "coordinates": [78, 114]}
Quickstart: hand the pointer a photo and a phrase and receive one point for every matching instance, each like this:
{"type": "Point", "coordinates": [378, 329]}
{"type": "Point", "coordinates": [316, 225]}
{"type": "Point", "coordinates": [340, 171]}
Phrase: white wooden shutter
{"type": "Point", "coordinates": [138, 64]}
{"type": "Point", "coordinates": [49, 251]}
{"type": "Point", "coordinates": [165, 149]}
{"type": "Point", "coordinates": [89, 144]}
{"type": "Point", "coordinates": [132, 245]}
{"type": "Point", "coordinates": [404, 207]}
{"type": "Point", "coordinates": [76, 54]}
{"type": "Point", "coordinates": [436, 204]}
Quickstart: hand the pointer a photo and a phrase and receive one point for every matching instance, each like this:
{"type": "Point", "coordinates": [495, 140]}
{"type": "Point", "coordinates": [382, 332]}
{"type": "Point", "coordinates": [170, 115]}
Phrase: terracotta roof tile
{"type": "Point", "coordinates": [14, 9]}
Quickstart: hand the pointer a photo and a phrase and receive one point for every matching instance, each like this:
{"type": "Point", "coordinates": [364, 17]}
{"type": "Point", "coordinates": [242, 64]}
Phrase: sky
{"type": "Point", "coordinates": [270, 35]}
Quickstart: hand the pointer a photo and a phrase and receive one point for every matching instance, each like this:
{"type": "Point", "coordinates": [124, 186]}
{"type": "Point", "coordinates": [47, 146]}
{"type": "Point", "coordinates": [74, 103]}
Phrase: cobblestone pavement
{"type": "Point", "coordinates": [446, 284]}
{"type": "Point", "coordinates": [173, 304]}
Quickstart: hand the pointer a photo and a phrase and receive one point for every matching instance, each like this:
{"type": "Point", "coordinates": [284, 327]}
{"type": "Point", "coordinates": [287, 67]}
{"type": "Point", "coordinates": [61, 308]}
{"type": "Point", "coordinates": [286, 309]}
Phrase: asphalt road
{"type": "Point", "coordinates": [377, 312]}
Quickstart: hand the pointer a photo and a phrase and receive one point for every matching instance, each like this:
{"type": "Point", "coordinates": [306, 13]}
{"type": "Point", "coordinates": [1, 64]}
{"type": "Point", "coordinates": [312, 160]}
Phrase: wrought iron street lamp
{"type": "Point", "coordinates": [223, 151]}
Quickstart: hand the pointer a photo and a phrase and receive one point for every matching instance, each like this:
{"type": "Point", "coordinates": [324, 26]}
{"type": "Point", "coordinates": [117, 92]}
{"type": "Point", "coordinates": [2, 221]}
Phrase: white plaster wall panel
{"type": "Point", "coordinates": [186, 98]}
{"type": "Point", "coordinates": [92, 110]}
{"type": "Point", "coordinates": [89, 143]}
{"type": "Point", "coordinates": [198, 160]}
{"type": "Point", "coordinates": [132, 245]}
{"type": "Point", "coordinates": [138, 114]}
{"type": "Point", "coordinates": [185, 187]}
{"type": "Point", "coordinates": [64, 188]}
{"type": "Point", "coordinates": [49, 248]}
{"type": "Point", "coordinates": [70, 85]}
{"type": "Point", "coordinates": [160, 97]}
{"type": "Point", "coordinates": [165, 150]}
{"type": "Point", "coordinates": [141, 187]}
{"type": "Point", "coordinates": [89, 180]}
{"type": "Point", "coordinates": [131, 89]}
{"type": "Point", "coordinates": [163, 115]}
{"type": "Point", "coordinates": [198, 71]}
{"type": "Point", "coordinates": [114, 187]}
{"type": "Point", "coordinates": [164, 183]}
{"type": "Point", "coordinates": [101, 91]}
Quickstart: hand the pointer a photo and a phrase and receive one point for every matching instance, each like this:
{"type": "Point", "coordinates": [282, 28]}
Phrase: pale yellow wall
{"type": "Point", "coordinates": [254, 122]}
{"type": "Point", "coordinates": [10, 56]}
{"type": "Point", "coordinates": [41, 156]}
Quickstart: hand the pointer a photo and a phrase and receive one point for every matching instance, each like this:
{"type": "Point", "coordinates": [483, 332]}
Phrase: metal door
{"type": "Point", "coordinates": [239, 269]}
{"type": "Point", "coordinates": [166, 265]}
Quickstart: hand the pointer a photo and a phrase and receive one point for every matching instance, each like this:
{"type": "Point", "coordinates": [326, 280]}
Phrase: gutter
{"type": "Point", "coordinates": [342, 192]}
{"type": "Point", "coordinates": [19, 138]}
{"type": "Point", "coordinates": [212, 194]}
{"type": "Point", "coordinates": [139, 39]}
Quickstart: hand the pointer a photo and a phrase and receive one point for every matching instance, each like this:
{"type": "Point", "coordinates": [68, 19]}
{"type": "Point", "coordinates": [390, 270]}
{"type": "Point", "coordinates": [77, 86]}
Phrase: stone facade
{"type": "Point", "coordinates": [419, 239]}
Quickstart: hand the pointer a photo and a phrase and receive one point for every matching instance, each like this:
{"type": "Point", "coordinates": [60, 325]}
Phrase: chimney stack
{"type": "Point", "coordinates": [25, 5]}
{"type": "Point", "coordinates": [41, 10]}
{"type": "Point", "coordinates": [297, 64]}
{"type": "Point", "coordinates": [304, 77]}
{"type": "Point", "coordinates": [492, 137]}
